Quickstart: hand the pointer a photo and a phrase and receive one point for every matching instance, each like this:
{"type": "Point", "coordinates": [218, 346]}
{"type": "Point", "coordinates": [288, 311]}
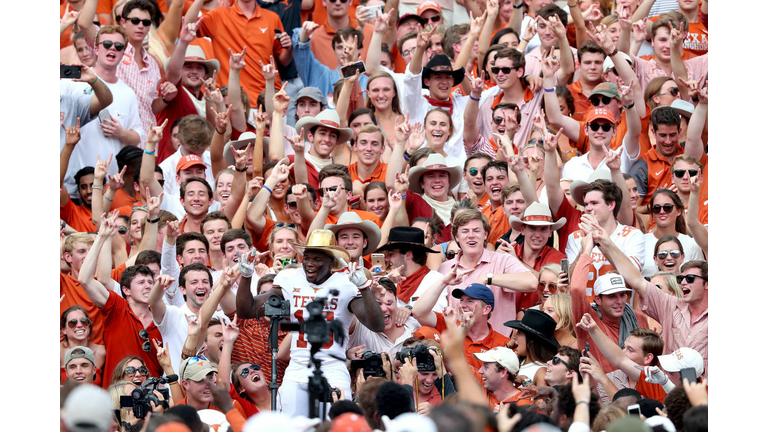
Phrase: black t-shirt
{"type": "Point", "coordinates": [289, 12]}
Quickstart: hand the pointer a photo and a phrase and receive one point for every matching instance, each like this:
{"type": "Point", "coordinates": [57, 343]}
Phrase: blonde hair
{"type": "Point", "coordinates": [607, 415]}
{"type": "Point", "coordinates": [115, 391]}
{"type": "Point", "coordinates": [561, 303]}
{"type": "Point", "coordinates": [275, 231]}
{"type": "Point", "coordinates": [555, 269]}
{"type": "Point", "coordinates": [671, 280]}
{"type": "Point", "coordinates": [70, 240]}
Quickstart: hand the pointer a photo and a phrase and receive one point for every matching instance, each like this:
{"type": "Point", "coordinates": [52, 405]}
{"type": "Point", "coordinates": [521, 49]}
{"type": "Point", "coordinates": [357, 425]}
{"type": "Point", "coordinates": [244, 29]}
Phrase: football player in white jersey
{"type": "Point", "coordinates": [601, 200]}
{"type": "Point", "coordinates": [324, 268]}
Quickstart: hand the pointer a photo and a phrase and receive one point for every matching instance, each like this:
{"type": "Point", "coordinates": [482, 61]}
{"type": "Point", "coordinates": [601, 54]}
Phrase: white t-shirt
{"type": "Point", "coordinates": [124, 108]}
{"type": "Point", "coordinates": [379, 342]}
{"type": "Point", "coordinates": [692, 252]}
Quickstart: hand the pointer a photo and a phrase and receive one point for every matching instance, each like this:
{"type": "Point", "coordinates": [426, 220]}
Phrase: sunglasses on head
{"type": "Point", "coordinates": [674, 91]}
{"type": "Point", "coordinates": [557, 360]}
{"type": "Point", "coordinates": [136, 21]}
{"type": "Point", "coordinates": [595, 100]}
{"type": "Point", "coordinates": [597, 126]}
{"type": "Point", "coordinates": [688, 278]}
{"type": "Point", "coordinates": [146, 346]}
{"type": "Point", "coordinates": [663, 254]}
{"type": "Point", "coordinates": [73, 322]}
{"type": "Point", "coordinates": [680, 173]}
{"type": "Point", "coordinates": [292, 205]}
{"type": "Point", "coordinates": [656, 208]}
{"type": "Point", "coordinates": [323, 191]}
{"type": "Point", "coordinates": [283, 224]}
{"type": "Point", "coordinates": [473, 171]}
{"type": "Point", "coordinates": [450, 255]}
{"type": "Point", "coordinates": [130, 370]}
{"type": "Point", "coordinates": [506, 69]}
{"type": "Point", "coordinates": [247, 371]}
{"type": "Point", "coordinates": [119, 46]}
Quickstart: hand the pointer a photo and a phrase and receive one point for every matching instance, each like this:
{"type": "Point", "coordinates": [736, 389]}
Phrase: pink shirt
{"type": "Point", "coordinates": [504, 299]}
{"type": "Point", "coordinates": [646, 70]}
{"type": "Point", "coordinates": [143, 82]}
{"type": "Point", "coordinates": [677, 328]}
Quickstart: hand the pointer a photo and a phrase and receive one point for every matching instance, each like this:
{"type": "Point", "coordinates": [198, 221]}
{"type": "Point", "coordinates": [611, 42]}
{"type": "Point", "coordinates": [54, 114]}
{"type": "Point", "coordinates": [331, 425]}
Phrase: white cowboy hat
{"type": "Point", "coordinates": [241, 143]}
{"type": "Point", "coordinates": [195, 54]}
{"type": "Point", "coordinates": [434, 162]}
{"type": "Point", "coordinates": [536, 214]}
{"type": "Point", "coordinates": [353, 220]}
{"type": "Point", "coordinates": [326, 118]}
{"type": "Point", "coordinates": [577, 187]}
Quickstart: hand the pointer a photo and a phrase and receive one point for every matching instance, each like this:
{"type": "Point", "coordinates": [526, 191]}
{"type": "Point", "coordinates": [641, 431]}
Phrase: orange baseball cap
{"type": "Point", "coordinates": [189, 161]}
{"type": "Point", "coordinates": [599, 113]}
{"type": "Point", "coordinates": [427, 5]}
{"type": "Point", "coordinates": [425, 332]}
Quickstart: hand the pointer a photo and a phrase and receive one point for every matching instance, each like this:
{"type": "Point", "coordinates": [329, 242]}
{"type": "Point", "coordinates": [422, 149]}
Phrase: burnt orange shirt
{"type": "Point", "coordinates": [74, 294]}
{"type": "Point", "coordinates": [499, 223]}
{"type": "Point", "coordinates": [379, 174]}
{"type": "Point", "coordinates": [581, 103]}
{"type": "Point", "coordinates": [471, 347]}
{"type": "Point", "coordinates": [77, 216]}
{"type": "Point", "coordinates": [321, 44]}
{"type": "Point", "coordinates": [318, 13]}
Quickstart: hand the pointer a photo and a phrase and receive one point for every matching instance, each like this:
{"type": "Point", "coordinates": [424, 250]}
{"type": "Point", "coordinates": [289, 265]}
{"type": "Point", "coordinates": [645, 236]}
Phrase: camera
{"type": "Point", "coordinates": [288, 261]}
{"type": "Point", "coordinates": [424, 360]}
{"type": "Point", "coordinates": [276, 307]}
{"type": "Point", "coordinates": [371, 364]}
{"type": "Point", "coordinates": [329, 394]}
{"type": "Point", "coordinates": [141, 396]}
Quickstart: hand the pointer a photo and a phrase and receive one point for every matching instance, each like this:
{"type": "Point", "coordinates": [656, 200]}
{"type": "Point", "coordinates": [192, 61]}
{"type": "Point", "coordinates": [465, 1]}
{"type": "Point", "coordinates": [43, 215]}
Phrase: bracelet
{"type": "Point", "coordinates": [97, 187]}
{"type": "Point", "coordinates": [572, 5]}
{"type": "Point", "coordinates": [526, 40]}
{"type": "Point", "coordinates": [155, 220]}
{"type": "Point", "coordinates": [108, 198]}
{"type": "Point", "coordinates": [149, 152]}
{"type": "Point", "coordinates": [630, 106]}
{"type": "Point", "coordinates": [519, 6]}
{"type": "Point", "coordinates": [166, 101]}
{"type": "Point", "coordinates": [406, 156]}
{"type": "Point", "coordinates": [474, 99]}
{"type": "Point", "coordinates": [615, 51]}
{"type": "Point", "coordinates": [218, 131]}
{"type": "Point", "coordinates": [267, 188]}
{"type": "Point", "coordinates": [584, 402]}
{"type": "Point", "coordinates": [549, 90]}
{"type": "Point", "coordinates": [241, 170]}
{"type": "Point", "coordinates": [404, 196]}
{"type": "Point", "coordinates": [186, 352]}
{"type": "Point", "coordinates": [94, 81]}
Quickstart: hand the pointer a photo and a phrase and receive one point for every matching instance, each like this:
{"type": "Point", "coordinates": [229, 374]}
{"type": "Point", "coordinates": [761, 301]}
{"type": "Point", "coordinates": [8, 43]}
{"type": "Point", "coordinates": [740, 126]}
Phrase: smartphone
{"type": "Point", "coordinates": [634, 410]}
{"type": "Point", "coordinates": [103, 115]}
{"type": "Point", "coordinates": [375, 11]}
{"type": "Point", "coordinates": [350, 69]}
{"type": "Point", "coordinates": [689, 373]}
{"type": "Point", "coordinates": [564, 265]}
{"type": "Point", "coordinates": [69, 72]}
{"type": "Point", "coordinates": [377, 259]}
{"type": "Point", "coordinates": [586, 349]}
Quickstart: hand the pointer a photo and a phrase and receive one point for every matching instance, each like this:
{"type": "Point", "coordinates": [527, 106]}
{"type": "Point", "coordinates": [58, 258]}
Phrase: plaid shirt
{"type": "Point", "coordinates": [144, 82]}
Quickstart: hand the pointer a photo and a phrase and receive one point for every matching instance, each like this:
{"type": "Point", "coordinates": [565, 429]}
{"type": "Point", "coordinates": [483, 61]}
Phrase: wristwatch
{"type": "Point", "coordinates": [489, 279]}
{"type": "Point", "coordinates": [410, 308]}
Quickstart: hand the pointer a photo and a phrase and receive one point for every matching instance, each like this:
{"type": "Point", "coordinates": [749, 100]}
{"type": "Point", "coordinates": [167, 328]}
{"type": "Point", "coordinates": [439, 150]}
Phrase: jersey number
{"type": "Point", "coordinates": [302, 341]}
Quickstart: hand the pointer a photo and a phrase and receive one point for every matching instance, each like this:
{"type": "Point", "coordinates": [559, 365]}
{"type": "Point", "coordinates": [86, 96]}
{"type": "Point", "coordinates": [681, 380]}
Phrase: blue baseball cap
{"type": "Point", "coordinates": [476, 291]}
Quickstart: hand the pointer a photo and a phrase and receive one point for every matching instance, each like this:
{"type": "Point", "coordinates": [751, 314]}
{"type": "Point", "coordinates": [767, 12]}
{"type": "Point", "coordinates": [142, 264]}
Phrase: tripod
{"type": "Point", "coordinates": [276, 309]}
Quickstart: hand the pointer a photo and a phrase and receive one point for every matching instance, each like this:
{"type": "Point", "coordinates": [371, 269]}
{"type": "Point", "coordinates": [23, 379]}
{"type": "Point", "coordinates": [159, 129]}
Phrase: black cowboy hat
{"type": "Point", "coordinates": [405, 238]}
{"type": "Point", "coordinates": [440, 63]}
{"type": "Point", "coordinates": [538, 324]}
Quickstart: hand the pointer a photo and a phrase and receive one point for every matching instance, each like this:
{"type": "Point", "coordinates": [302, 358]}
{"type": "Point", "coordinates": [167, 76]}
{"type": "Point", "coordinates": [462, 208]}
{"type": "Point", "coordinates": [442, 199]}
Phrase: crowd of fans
{"type": "Point", "coordinates": [477, 214]}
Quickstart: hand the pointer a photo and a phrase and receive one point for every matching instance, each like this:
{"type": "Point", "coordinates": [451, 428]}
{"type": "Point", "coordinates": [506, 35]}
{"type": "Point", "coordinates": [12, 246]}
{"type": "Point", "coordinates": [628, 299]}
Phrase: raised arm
{"type": "Point", "coordinates": [99, 174]}
{"type": "Point", "coordinates": [236, 64]}
{"type": "Point", "coordinates": [248, 305]}
{"type": "Point", "coordinates": [550, 65]}
{"type": "Point", "coordinates": [697, 230]}
{"type": "Point", "coordinates": [239, 182]}
{"type": "Point", "coordinates": [156, 304]}
{"type": "Point", "coordinates": [149, 238]}
{"type": "Point", "coordinates": [270, 73]}
{"type": "Point", "coordinates": [396, 208]}
{"type": "Point", "coordinates": [373, 57]}
{"type": "Point", "coordinates": [471, 129]}
{"type": "Point", "coordinates": [221, 129]}
{"type": "Point", "coordinates": [330, 200]}
{"type": "Point", "coordinates": [484, 40]}
{"type": "Point", "coordinates": [85, 21]}
{"type": "Point", "coordinates": [344, 97]}
{"type": "Point", "coordinates": [452, 341]}
{"type": "Point", "coordinates": [694, 145]}
{"type": "Point", "coordinates": [618, 260]}
{"type": "Point", "coordinates": [555, 195]}
{"type": "Point", "coordinates": [176, 61]}
{"type": "Point", "coordinates": [193, 11]}
{"type": "Point", "coordinates": [104, 264]}
{"type": "Point", "coordinates": [72, 137]}
{"type": "Point", "coordinates": [147, 173]}
{"type": "Point", "coordinates": [169, 28]}
{"type": "Point", "coordinates": [69, 18]}
{"type": "Point", "coordinates": [230, 333]}
{"type": "Point", "coordinates": [255, 213]}
{"type": "Point", "coordinates": [643, 9]}
{"type": "Point", "coordinates": [613, 161]}
{"type": "Point", "coordinates": [280, 102]}
{"type": "Point", "coordinates": [567, 64]}
{"type": "Point", "coordinates": [625, 27]}
{"type": "Point", "coordinates": [578, 22]}
{"type": "Point", "coordinates": [403, 131]}
{"type": "Point", "coordinates": [677, 37]}
{"type": "Point", "coordinates": [475, 27]}
{"type": "Point", "coordinates": [608, 348]}
{"type": "Point", "coordinates": [422, 41]}
{"type": "Point", "coordinates": [96, 292]}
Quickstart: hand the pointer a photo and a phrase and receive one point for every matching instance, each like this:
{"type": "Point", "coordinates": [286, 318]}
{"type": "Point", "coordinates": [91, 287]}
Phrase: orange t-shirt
{"type": "Point", "coordinates": [379, 174]}
{"type": "Point", "coordinates": [697, 41]}
{"type": "Point", "coordinates": [229, 28]}
{"type": "Point", "coordinates": [471, 347]}
{"type": "Point", "coordinates": [321, 44]}
{"type": "Point", "coordinates": [318, 13]}
{"type": "Point", "coordinates": [117, 273]}
{"type": "Point", "coordinates": [581, 103]}
{"type": "Point", "coordinates": [122, 199]}
{"type": "Point", "coordinates": [78, 217]}
{"type": "Point", "coordinates": [650, 391]}
{"type": "Point", "coordinates": [74, 294]}
{"type": "Point", "coordinates": [499, 223]}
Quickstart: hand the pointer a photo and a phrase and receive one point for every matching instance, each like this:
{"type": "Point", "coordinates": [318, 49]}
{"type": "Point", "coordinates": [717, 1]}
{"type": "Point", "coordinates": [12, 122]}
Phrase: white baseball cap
{"type": "Point", "coordinates": [610, 283]}
{"type": "Point", "coordinates": [501, 355]}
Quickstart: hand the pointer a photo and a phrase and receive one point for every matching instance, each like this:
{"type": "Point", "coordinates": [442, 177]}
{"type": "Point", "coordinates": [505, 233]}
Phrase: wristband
{"type": "Point", "coordinates": [166, 101]}
{"type": "Point", "coordinates": [406, 156]}
{"type": "Point", "coordinates": [155, 220]}
{"type": "Point", "coordinates": [108, 198]}
{"type": "Point", "coordinates": [630, 106]}
{"type": "Point", "coordinates": [526, 40]}
{"type": "Point", "coordinates": [519, 6]}
{"type": "Point", "coordinates": [549, 90]}
{"type": "Point", "coordinates": [474, 99]}
{"type": "Point", "coordinates": [97, 187]}
{"type": "Point", "coordinates": [268, 189]}
{"type": "Point", "coordinates": [149, 152]}
{"type": "Point", "coordinates": [186, 352]}
{"type": "Point", "coordinates": [404, 196]}
{"type": "Point", "coordinates": [218, 131]}
{"type": "Point", "coordinates": [615, 51]}
{"type": "Point", "coordinates": [242, 170]}
{"type": "Point", "coordinates": [94, 81]}
{"type": "Point", "coordinates": [584, 402]}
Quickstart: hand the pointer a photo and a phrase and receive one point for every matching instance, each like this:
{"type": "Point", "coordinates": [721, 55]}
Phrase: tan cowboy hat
{"type": "Point", "coordinates": [323, 241]}
{"type": "Point", "coordinates": [577, 187]}
{"type": "Point", "coordinates": [195, 54]}
{"type": "Point", "coordinates": [434, 162]}
{"type": "Point", "coordinates": [536, 214]}
{"type": "Point", "coordinates": [353, 220]}
{"type": "Point", "coordinates": [326, 118]}
{"type": "Point", "coordinates": [241, 143]}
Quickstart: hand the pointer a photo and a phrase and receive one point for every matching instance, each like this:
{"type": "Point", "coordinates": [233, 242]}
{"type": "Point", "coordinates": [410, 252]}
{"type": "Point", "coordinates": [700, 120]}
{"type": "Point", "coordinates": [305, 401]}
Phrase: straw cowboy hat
{"type": "Point", "coordinates": [243, 141]}
{"type": "Point", "coordinates": [352, 220]}
{"type": "Point", "coordinates": [434, 162]}
{"type": "Point", "coordinates": [323, 241]}
{"type": "Point", "coordinates": [577, 187]}
{"type": "Point", "coordinates": [326, 118]}
{"type": "Point", "coordinates": [536, 214]}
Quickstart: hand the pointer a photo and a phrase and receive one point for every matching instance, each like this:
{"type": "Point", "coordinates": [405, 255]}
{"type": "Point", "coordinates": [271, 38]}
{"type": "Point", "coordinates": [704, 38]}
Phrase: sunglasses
{"type": "Point", "coordinates": [73, 322]}
{"type": "Point", "coordinates": [674, 91]}
{"type": "Point", "coordinates": [136, 21]}
{"type": "Point", "coordinates": [323, 191]}
{"type": "Point", "coordinates": [663, 254]}
{"type": "Point", "coordinates": [506, 69]}
{"type": "Point", "coordinates": [434, 19]}
{"type": "Point", "coordinates": [146, 346]}
{"type": "Point", "coordinates": [595, 100]}
{"type": "Point", "coordinates": [247, 371]}
{"type": "Point", "coordinates": [680, 173]}
{"type": "Point", "coordinates": [293, 205]}
{"type": "Point", "coordinates": [130, 370]}
{"type": "Point", "coordinates": [162, 182]}
{"type": "Point", "coordinates": [656, 209]}
{"type": "Point", "coordinates": [122, 229]}
{"type": "Point", "coordinates": [473, 171]}
{"type": "Point", "coordinates": [688, 278]}
{"type": "Point", "coordinates": [551, 285]}
{"type": "Point", "coordinates": [119, 46]}
{"type": "Point", "coordinates": [450, 255]}
{"type": "Point", "coordinates": [118, 18]}
{"type": "Point", "coordinates": [597, 126]}
{"type": "Point", "coordinates": [283, 224]}
{"type": "Point", "coordinates": [557, 360]}
{"type": "Point", "coordinates": [537, 141]}
{"type": "Point", "coordinates": [497, 120]}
